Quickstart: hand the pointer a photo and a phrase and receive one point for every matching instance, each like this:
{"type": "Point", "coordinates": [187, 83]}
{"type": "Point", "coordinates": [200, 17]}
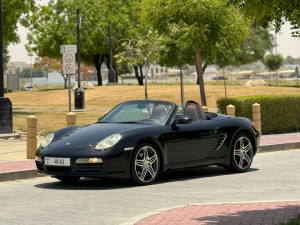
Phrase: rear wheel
{"type": "Point", "coordinates": [145, 164]}
{"type": "Point", "coordinates": [66, 179]}
{"type": "Point", "coordinates": [241, 154]}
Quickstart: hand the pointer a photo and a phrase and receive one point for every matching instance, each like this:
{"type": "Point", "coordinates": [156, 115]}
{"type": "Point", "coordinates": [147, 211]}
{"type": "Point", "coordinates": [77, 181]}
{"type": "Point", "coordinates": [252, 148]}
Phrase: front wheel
{"type": "Point", "coordinates": [241, 154]}
{"type": "Point", "coordinates": [145, 164]}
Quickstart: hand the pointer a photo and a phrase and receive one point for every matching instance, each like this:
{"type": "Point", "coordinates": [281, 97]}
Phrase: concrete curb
{"type": "Point", "coordinates": [18, 175]}
{"type": "Point", "coordinates": [280, 147]}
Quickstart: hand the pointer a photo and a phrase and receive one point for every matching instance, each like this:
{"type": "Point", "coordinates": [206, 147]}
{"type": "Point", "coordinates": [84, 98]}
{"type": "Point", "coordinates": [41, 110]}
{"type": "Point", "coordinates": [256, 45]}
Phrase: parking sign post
{"type": "Point", "coordinates": [68, 52]}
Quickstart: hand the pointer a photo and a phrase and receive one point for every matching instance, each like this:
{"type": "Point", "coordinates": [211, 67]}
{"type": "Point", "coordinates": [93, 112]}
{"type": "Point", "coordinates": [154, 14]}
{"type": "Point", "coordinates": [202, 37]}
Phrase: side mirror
{"type": "Point", "coordinates": [183, 120]}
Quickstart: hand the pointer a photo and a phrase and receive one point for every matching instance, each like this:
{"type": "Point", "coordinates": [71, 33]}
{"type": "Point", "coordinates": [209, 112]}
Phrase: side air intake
{"type": "Point", "coordinates": [220, 141]}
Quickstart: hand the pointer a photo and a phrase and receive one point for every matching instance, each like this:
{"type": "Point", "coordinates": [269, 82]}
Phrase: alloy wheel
{"type": "Point", "coordinates": [243, 152]}
{"type": "Point", "coordinates": [146, 164]}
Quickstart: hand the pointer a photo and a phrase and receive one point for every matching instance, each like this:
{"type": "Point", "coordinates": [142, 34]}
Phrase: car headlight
{"type": "Point", "coordinates": [47, 140]}
{"type": "Point", "coordinates": [108, 142]}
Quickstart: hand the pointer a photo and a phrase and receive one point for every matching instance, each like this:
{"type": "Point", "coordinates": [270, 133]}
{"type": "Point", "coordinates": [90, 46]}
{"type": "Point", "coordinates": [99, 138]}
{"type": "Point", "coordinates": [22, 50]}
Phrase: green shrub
{"type": "Point", "coordinates": [279, 113]}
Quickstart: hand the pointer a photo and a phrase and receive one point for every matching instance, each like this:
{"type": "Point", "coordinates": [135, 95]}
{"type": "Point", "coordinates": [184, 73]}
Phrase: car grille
{"type": "Point", "coordinates": [220, 141]}
{"type": "Point", "coordinates": [89, 167]}
{"type": "Point", "coordinates": [58, 168]}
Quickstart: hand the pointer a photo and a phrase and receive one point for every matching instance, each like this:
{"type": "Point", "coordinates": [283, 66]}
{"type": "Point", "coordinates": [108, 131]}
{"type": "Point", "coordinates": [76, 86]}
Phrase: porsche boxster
{"type": "Point", "coordinates": [142, 138]}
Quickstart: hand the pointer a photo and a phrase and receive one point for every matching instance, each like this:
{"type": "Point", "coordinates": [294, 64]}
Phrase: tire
{"type": "Point", "coordinates": [241, 154]}
{"type": "Point", "coordinates": [144, 165]}
{"type": "Point", "coordinates": [67, 179]}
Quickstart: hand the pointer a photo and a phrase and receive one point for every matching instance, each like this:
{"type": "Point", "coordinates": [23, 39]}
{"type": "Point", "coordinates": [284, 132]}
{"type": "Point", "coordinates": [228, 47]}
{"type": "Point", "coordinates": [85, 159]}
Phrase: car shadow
{"type": "Point", "coordinates": [110, 183]}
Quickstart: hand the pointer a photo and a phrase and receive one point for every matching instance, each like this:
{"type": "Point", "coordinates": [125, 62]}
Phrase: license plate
{"type": "Point", "coordinates": [49, 161]}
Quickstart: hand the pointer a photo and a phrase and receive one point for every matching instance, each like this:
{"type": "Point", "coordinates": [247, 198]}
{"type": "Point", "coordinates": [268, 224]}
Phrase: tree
{"type": "Point", "coordinates": [273, 62]}
{"type": "Point", "coordinates": [26, 73]}
{"type": "Point", "coordinates": [290, 60]}
{"type": "Point", "coordinates": [85, 71]}
{"type": "Point", "coordinates": [55, 25]}
{"type": "Point", "coordinates": [52, 64]}
{"type": "Point", "coordinates": [254, 47]}
{"type": "Point", "coordinates": [14, 12]}
{"type": "Point", "coordinates": [206, 27]}
{"type": "Point", "coordinates": [276, 12]}
{"type": "Point", "coordinates": [6, 57]}
{"type": "Point", "coordinates": [144, 49]}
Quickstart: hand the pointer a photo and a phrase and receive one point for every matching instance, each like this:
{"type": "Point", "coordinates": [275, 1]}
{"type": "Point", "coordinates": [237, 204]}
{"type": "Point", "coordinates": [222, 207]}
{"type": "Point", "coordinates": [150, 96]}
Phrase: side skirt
{"type": "Point", "coordinates": [196, 163]}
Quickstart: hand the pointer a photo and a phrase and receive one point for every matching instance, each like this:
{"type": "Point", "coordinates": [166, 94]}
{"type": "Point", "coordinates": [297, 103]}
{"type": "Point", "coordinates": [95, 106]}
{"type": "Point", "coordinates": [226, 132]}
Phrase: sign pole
{"type": "Point", "coordinates": [69, 86]}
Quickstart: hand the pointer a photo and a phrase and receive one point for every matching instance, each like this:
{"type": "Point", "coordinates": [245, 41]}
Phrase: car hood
{"type": "Point", "coordinates": [88, 136]}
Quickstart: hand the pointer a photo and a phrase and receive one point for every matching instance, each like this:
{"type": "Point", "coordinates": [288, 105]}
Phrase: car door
{"type": "Point", "coordinates": [190, 142]}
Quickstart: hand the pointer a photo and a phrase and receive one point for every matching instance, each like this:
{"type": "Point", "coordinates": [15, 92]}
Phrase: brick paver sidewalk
{"type": "Point", "coordinates": [17, 166]}
{"type": "Point", "coordinates": [266, 213]}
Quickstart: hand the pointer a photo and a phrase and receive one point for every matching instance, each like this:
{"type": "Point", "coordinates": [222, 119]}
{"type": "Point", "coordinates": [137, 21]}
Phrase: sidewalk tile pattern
{"type": "Point", "coordinates": [279, 139]}
{"type": "Point", "coordinates": [266, 213]}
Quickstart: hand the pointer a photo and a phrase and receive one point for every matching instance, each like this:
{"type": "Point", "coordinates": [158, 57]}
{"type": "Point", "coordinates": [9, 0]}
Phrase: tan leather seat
{"type": "Point", "coordinates": [158, 111]}
{"type": "Point", "coordinates": [191, 110]}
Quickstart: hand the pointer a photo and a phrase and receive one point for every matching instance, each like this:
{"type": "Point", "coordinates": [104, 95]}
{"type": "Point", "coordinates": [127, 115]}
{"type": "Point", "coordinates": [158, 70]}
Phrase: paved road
{"type": "Point", "coordinates": [274, 177]}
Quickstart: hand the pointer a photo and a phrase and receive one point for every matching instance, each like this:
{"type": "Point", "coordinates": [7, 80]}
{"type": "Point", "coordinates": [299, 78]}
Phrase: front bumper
{"type": "Point", "coordinates": [111, 166]}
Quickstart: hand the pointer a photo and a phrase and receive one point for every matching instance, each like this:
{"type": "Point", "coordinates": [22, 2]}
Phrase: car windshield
{"type": "Point", "coordinates": [150, 112]}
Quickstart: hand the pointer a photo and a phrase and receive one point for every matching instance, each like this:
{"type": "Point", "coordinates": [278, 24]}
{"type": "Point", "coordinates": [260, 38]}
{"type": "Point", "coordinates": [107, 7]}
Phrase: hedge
{"type": "Point", "coordinates": [279, 113]}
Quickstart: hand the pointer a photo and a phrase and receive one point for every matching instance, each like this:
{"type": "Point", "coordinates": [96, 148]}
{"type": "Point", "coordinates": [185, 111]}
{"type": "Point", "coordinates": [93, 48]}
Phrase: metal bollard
{"type": "Point", "coordinates": [230, 110]}
{"type": "Point", "coordinates": [31, 136]}
{"type": "Point", "coordinates": [256, 116]}
{"type": "Point", "coordinates": [71, 119]}
{"type": "Point", "coordinates": [205, 109]}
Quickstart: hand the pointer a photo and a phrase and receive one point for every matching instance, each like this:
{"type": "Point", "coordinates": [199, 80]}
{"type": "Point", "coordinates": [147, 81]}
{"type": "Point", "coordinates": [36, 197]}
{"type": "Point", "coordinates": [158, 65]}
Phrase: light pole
{"type": "Point", "coordinates": [79, 92]}
{"type": "Point", "coordinates": [112, 78]}
{"type": "Point", "coordinates": [30, 54]}
{"type": "Point", "coordinates": [111, 73]}
{"type": "Point", "coordinates": [6, 125]}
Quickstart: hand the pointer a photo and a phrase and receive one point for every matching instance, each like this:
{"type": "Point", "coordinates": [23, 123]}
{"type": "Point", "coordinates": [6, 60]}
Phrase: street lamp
{"type": "Point", "coordinates": [112, 79]}
{"type": "Point", "coordinates": [79, 92]}
{"type": "Point", "coordinates": [30, 54]}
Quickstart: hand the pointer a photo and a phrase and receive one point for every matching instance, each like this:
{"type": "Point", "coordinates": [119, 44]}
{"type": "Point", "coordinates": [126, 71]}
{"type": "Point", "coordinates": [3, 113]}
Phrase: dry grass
{"type": "Point", "coordinates": [52, 103]}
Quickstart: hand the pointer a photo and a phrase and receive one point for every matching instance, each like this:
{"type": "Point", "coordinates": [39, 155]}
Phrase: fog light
{"type": "Point", "coordinates": [89, 160]}
{"type": "Point", "coordinates": [37, 158]}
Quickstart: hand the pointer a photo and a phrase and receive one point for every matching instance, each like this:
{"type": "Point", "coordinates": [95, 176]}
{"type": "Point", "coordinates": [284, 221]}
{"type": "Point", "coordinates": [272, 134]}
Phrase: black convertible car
{"type": "Point", "coordinates": [140, 139]}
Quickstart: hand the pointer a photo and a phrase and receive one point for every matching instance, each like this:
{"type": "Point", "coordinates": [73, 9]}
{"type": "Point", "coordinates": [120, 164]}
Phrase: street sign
{"type": "Point", "coordinates": [71, 49]}
{"type": "Point", "coordinates": [69, 63]}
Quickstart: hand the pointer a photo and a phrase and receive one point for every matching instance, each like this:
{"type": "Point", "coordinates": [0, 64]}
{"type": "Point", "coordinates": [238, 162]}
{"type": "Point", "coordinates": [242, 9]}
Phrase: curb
{"type": "Point", "coordinates": [18, 175]}
{"type": "Point", "coordinates": [280, 147]}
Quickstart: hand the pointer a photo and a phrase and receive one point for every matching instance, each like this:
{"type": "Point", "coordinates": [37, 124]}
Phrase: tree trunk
{"type": "Point", "coordinates": [203, 70]}
{"type": "Point", "coordinates": [200, 75]}
{"type": "Point", "coordinates": [116, 72]}
{"type": "Point", "coordinates": [138, 77]}
{"type": "Point", "coordinates": [98, 64]}
{"type": "Point", "coordinates": [65, 80]}
{"type": "Point", "coordinates": [142, 75]}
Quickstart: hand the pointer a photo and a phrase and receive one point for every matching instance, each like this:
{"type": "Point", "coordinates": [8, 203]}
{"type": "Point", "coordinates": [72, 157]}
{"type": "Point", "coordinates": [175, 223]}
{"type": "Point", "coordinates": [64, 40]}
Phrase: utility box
{"type": "Point", "coordinates": [13, 82]}
{"type": "Point", "coordinates": [79, 98]}
{"type": "Point", "coordinates": [6, 124]}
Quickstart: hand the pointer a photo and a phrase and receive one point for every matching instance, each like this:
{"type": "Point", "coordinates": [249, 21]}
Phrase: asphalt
{"type": "Point", "coordinates": [15, 166]}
